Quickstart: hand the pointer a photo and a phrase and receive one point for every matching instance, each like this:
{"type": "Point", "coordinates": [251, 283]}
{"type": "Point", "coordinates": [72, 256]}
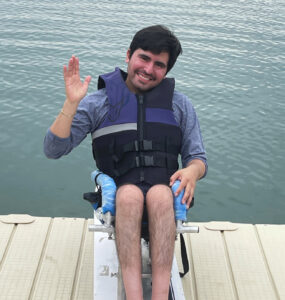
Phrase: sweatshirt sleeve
{"type": "Point", "coordinates": [192, 142]}
{"type": "Point", "coordinates": [54, 146]}
{"type": "Point", "coordinates": [91, 110]}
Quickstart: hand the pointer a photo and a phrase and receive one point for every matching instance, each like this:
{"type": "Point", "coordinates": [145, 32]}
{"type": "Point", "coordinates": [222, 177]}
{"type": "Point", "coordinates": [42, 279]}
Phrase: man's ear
{"type": "Point", "coordinates": [128, 55]}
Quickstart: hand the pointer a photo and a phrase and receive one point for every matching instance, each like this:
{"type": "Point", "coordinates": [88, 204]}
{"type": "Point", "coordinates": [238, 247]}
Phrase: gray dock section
{"type": "Point", "coordinates": [52, 258]}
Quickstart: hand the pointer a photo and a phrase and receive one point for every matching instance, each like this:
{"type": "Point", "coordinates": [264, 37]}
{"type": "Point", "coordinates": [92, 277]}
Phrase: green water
{"type": "Point", "coordinates": [232, 68]}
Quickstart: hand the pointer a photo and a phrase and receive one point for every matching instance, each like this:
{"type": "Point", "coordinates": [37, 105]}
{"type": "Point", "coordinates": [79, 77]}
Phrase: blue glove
{"type": "Point", "coordinates": [109, 188]}
{"type": "Point", "coordinates": [179, 208]}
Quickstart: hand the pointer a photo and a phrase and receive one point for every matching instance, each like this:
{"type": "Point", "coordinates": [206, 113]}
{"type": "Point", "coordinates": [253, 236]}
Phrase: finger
{"type": "Point", "coordinates": [189, 200]}
{"type": "Point", "coordinates": [76, 65]}
{"type": "Point", "coordinates": [73, 65]}
{"type": "Point", "coordinates": [86, 83]}
{"type": "Point", "coordinates": [188, 203]}
{"type": "Point", "coordinates": [64, 71]}
{"type": "Point", "coordinates": [174, 177]}
{"type": "Point", "coordinates": [180, 188]}
{"type": "Point", "coordinates": [187, 192]}
{"type": "Point", "coordinates": [70, 66]}
{"type": "Point", "coordinates": [88, 79]}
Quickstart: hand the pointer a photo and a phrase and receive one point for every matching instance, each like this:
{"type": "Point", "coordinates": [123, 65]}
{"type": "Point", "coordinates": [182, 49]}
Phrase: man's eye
{"type": "Point", "coordinates": [161, 66]}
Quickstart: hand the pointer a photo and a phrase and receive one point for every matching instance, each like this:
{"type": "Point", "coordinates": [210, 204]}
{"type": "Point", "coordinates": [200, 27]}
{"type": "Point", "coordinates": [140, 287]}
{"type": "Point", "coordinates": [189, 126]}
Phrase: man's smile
{"type": "Point", "coordinates": [145, 76]}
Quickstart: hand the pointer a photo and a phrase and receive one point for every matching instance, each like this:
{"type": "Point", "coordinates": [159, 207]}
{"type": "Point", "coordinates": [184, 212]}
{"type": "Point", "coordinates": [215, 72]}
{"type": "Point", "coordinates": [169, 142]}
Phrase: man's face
{"type": "Point", "coordinates": [145, 70]}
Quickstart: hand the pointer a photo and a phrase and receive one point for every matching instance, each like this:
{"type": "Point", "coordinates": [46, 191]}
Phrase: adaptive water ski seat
{"type": "Point", "coordinates": [108, 282]}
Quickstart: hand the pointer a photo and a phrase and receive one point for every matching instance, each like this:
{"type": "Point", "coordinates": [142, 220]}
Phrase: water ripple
{"type": "Point", "coordinates": [232, 69]}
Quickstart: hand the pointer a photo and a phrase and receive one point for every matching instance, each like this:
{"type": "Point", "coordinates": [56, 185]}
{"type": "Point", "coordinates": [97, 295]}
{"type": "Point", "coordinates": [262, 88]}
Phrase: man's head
{"type": "Point", "coordinates": [157, 39]}
{"type": "Point", "coordinates": [151, 55]}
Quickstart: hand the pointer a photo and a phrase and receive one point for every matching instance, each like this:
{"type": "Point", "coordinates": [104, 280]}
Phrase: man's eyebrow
{"type": "Point", "coordinates": [144, 56]}
{"type": "Point", "coordinates": [158, 63]}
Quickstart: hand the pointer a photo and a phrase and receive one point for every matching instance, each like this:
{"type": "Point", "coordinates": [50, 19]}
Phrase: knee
{"type": "Point", "coordinates": [160, 196]}
{"type": "Point", "coordinates": [128, 195]}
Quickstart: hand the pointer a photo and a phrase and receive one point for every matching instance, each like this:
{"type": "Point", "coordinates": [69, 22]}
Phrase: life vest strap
{"type": "Point", "coordinates": [153, 160]}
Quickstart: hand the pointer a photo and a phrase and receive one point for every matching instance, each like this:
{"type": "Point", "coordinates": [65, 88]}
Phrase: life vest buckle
{"type": "Point", "coordinates": [147, 145]}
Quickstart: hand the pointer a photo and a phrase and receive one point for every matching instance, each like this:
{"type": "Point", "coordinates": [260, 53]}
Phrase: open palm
{"type": "Point", "coordinates": [75, 89]}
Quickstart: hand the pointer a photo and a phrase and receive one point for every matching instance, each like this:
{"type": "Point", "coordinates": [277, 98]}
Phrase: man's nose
{"type": "Point", "coordinates": [149, 68]}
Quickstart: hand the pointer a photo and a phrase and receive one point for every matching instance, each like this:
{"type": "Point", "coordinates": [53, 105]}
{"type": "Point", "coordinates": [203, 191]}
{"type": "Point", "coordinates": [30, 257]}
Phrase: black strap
{"type": "Point", "coordinates": [97, 185]}
{"type": "Point", "coordinates": [154, 160]}
{"type": "Point", "coordinates": [95, 198]}
{"type": "Point", "coordinates": [184, 257]}
{"type": "Point", "coordinates": [135, 146]}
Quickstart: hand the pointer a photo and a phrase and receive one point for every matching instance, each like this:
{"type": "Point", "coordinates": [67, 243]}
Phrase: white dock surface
{"type": "Point", "coordinates": [52, 258]}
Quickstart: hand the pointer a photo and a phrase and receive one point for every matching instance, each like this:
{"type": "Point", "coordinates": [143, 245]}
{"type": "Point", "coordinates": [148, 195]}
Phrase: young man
{"type": "Point", "coordinates": [139, 126]}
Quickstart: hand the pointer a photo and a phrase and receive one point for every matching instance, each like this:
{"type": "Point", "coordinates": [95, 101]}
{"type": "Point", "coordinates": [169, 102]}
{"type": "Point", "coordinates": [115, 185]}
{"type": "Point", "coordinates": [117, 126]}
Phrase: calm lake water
{"type": "Point", "coordinates": [232, 69]}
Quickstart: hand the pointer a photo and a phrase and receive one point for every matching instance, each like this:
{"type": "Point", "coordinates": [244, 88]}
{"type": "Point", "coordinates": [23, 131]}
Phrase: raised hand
{"type": "Point", "coordinates": [75, 89]}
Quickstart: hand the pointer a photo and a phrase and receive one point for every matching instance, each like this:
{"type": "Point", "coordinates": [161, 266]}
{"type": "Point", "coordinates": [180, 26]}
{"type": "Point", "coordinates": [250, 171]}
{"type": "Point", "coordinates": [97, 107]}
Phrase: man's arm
{"type": "Point", "coordinates": [75, 91]}
{"type": "Point", "coordinates": [193, 156]}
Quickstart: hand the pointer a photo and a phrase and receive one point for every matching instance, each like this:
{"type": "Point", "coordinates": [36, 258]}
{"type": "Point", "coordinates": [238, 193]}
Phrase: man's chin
{"type": "Point", "coordinates": [143, 87]}
{"type": "Point", "coordinates": [144, 90]}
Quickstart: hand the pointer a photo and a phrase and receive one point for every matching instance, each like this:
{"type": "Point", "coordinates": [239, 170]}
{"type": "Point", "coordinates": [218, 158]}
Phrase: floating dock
{"type": "Point", "coordinates": [52, 258]}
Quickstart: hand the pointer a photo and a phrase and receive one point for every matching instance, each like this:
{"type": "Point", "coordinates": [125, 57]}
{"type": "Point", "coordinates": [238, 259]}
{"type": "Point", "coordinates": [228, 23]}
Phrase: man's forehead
{"type": "Point", "coordinates": [162, 54]}
{"type": "Point", "coordinates": [152, 52]}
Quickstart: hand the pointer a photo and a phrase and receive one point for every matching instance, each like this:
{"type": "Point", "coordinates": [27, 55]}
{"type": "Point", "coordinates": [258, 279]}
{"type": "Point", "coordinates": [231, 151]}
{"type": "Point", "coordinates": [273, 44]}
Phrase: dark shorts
{"type": "Point", "coordinates": [144, 187]}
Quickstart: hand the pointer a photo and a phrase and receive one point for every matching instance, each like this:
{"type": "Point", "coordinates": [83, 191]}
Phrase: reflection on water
{"type": "Point", "coordinates": [231, 68]}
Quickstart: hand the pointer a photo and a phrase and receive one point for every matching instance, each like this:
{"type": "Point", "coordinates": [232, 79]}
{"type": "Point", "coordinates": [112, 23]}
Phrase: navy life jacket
{"type": "Point", "coordinates": [139, 140]}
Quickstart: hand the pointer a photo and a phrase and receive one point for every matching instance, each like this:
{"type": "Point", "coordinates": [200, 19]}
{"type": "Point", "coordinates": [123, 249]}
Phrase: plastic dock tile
{"type": "Point", "coordinates": [60, 258]}
{"type": "Point", "coordinates": [210, 266]}
{"type": "Point", "coordinates": [248, 265]}
{"type": "Point", "coordinates": [20, 263]}
{"type": "Point", "coordinates": [84, 282]}
{"type": "Point", "coordinates": [272, 238]}
{"type": "Point", "coordinates": [53, 258]}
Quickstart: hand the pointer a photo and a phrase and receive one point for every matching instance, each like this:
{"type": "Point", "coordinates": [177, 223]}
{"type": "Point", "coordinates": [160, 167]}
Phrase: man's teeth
{"type": "Point", "coordinates": [142, 76]}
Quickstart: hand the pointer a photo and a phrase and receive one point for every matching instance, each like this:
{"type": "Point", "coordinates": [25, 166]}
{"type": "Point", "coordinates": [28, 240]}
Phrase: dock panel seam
{"type": "Point", "coordinates": [37, 273]}
{"type": "Point", "coordinates": [228, 261]}
{"type": "Point", "coordinates": [8, 246]}
{"type": "Point", "coordinates": [270, 276]}
{"type": "Point", "coordinates": [79, 260]}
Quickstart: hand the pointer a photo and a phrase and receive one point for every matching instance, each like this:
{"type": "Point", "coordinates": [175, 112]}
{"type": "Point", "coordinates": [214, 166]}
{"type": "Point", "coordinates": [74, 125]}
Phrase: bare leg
{"type": "Point", "coordinates": [129, 210]}
{"type": "Point", "coordinates": [159, 200]}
